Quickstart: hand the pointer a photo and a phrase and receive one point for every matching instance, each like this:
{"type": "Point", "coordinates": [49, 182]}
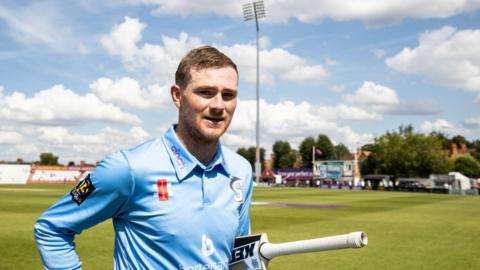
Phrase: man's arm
{"type": "Point", "coordinates": [102, 195]}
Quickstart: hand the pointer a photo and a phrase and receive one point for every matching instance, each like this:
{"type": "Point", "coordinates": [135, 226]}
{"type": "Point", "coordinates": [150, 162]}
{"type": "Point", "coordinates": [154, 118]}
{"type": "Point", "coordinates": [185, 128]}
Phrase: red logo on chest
{"type": "Point", "coordinates": [162, 189]}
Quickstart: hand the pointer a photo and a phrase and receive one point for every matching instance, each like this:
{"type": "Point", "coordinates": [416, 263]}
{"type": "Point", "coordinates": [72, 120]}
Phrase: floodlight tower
{"type": "Point", "coordinates": [256, 10]}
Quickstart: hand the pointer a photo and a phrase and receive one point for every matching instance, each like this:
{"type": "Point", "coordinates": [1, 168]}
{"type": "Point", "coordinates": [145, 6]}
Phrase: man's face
{"type": "Point", "coordinates": [207, 104]}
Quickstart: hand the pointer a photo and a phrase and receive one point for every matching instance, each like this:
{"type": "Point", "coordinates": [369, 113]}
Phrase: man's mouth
{"type": "Point", "coordinates": [214, 119]}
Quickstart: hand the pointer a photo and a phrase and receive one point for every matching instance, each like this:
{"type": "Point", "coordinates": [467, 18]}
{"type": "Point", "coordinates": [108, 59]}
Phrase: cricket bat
{"type": "Point", "coordinates": [255, 251]}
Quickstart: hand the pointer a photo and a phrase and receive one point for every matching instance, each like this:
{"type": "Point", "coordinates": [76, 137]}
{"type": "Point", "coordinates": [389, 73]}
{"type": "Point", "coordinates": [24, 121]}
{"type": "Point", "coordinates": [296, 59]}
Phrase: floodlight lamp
{"type": "Point", "coordinates": [259, 9]}
{"type": "Point", "coordinates": [248, 12]}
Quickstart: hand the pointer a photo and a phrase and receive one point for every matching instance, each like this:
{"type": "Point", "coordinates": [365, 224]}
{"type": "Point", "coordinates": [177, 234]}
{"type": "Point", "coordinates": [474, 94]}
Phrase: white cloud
{"type": "Point", "coordinates": [275, 63]}
{"type": "Point", "coordinates": [346, 112]}
{"type": "Point", "coordinates": [264, 42]}
{"type": "Point", "coordinates": [444, 126]}
{"type": "Point", "coordinates": [372, 12]}
{"type": "Point", "coordinates": [70, 145]}
{"type": "Point", "coordinates": [60, 105]}
{"type": "Point", "coordinates": [127, 92]}
{"type": "Point", "coordinates": [123, 38]}
{"type": "Point", "coordinates": [10, 137]}
{"type": "Point", "coordinates": [52, 135]}
{"type": "Point", "coordinates": [446, 56]}
{"type": "Point", "coordinates": [373, 95]}
{"type": "Point", "coordinates": [381, 99]}
{"type": "Point", "coordinates": [293, 122]}
{"type": "Point", "coordinates": [162, 61]}
{"type": "Point", "coordinates": [472, 122]}
{"type": "Point", "coordinates": [26, 150]}
{"type": "Point", "coordinates": [59, 136]}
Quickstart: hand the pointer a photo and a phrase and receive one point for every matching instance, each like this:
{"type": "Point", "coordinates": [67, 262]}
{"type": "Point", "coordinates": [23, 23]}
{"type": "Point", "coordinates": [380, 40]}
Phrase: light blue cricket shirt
{"type": "Point", "coordinates": [168, 210]}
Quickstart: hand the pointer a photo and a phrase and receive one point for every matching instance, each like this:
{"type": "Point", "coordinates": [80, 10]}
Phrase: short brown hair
{"type": "Point", "coordinates": [201, 58]}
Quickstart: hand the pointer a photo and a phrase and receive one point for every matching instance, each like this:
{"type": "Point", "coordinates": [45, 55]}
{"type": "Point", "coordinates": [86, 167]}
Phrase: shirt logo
{"type": "Point", "coordinates": [80, 192]}
{"type": "Point", "coordinates": [207, 246]}
{"type": "Point", "coordinates": [178, 157]}
{"type": "Point", "coordinates": [236, 186]}
{"type": "Point", "coordinates": [162, 189]}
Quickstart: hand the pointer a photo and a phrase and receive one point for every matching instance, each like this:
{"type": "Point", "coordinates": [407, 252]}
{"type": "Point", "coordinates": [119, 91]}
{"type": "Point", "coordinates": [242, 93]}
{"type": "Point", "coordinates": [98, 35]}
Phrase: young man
{"type": "Point", "coordinates": [176, 202]}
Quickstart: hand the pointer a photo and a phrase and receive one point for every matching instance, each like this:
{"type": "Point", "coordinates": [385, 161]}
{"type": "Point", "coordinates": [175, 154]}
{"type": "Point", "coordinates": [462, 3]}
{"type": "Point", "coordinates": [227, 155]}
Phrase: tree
{"type": "Point", "coordinates": [284, 157]}
{"type": "Point", "coordinates": [459, 140]}
{"type": "Point", "coordinates": [325, 145]}
{"type": "Point", "coordinates": [405, 130]}
{"type": "Point", "coordinates": [406, 154]}
{"type": "Point", "coordinates": [475, 149]}
{"type": "Point", "coordinates": [249, 155]}
{"type": "Point", "coordinates": [305, 151]}
{"type": "Point", "coordinates": [467, 165]}
{"type": "Point", "coordinates": [48, 159]}
{"type": "Point", "coordinates": [368, 147]}
{"type": "Point", "coordinates": [446, 142]}
{"type": "Point", "coordinates": [341, 152]}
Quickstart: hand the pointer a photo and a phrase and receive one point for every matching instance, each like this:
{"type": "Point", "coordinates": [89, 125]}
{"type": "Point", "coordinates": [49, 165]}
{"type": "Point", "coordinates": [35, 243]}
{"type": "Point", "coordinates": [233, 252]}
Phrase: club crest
{"type": "Point", "coordinates": [236, 185]}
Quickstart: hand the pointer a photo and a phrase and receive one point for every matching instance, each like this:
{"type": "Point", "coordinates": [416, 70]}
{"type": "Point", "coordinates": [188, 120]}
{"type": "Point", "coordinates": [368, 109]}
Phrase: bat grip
{"type": "Point", "coordinates": [351, 240]}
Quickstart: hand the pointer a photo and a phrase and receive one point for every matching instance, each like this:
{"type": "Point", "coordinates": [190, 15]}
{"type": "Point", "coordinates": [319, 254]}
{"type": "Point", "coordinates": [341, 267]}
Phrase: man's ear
{"type": "Point", "coordinates": [176, 94]}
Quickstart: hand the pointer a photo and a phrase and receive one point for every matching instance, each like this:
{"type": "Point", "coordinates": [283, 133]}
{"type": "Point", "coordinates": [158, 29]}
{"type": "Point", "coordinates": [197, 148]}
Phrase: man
{"type": "Point", "coordinates": [176, 202]}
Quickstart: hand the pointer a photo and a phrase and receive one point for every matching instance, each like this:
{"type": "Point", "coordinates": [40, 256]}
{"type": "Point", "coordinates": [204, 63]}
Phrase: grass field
{"type": "Point", "coordinates": [406, 230]}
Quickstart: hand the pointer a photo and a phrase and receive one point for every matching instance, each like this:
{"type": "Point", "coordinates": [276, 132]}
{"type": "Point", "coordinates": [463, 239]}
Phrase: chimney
{"type": "Point", "coordinates": [268, 164]}
{"type": "Point", "coordinates": [463, 149]}
{"type": "Point", "coordinates": [453, 150]}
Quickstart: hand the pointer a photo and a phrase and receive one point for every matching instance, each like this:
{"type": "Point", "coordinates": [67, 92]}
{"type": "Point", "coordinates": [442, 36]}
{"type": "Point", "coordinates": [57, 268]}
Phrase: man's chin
{"type": "Point", "coordinates": [213, 134]}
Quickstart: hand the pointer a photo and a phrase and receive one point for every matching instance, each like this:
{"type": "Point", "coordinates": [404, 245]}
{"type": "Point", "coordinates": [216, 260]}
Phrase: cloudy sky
{"type": "Point", "coordinates": [82, 79]}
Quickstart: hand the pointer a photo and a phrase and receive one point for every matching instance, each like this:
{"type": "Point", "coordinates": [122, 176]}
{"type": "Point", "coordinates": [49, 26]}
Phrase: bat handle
{"type": "Point", "coordinates": [351, 240]}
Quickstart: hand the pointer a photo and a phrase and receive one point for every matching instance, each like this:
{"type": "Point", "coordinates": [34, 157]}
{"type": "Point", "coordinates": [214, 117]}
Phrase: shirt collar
{"type": "Point", "coordinates": [183, 162]}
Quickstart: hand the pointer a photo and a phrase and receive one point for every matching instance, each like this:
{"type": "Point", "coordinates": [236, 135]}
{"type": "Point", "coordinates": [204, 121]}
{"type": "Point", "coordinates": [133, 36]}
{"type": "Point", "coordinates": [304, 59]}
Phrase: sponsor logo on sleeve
{"type": "Point", "coordinates": [83, 189]}
{"type": "Point", "coordinates": [236, 186]}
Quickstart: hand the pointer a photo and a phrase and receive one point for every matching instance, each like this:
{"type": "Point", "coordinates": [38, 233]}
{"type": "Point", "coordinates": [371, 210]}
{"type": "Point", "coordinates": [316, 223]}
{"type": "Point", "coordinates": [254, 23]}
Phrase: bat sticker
{"type": "Point", "coordinates": [245, 251]}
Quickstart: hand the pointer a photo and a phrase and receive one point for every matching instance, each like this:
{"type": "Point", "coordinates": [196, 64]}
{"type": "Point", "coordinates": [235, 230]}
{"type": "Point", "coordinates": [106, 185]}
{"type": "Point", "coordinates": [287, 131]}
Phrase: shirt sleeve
{"type": "Point", "coordinates": [244, 227]}
{"type": "Point", "coordinates": [101, 195]}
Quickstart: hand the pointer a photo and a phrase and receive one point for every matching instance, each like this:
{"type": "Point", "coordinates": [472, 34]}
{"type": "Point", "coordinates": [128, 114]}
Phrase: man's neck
{"type": "Point", "coordinates": [203, 151]}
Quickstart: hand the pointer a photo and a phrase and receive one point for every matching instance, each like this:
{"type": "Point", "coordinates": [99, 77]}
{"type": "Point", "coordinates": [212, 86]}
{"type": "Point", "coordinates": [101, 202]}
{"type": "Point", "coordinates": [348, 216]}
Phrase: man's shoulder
{"type": "Point", "coordinates": [147, 154]}
{"type": "Point", "coordinates": [151, 146]}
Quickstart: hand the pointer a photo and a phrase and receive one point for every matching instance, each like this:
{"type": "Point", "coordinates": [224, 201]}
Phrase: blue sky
{"type": "Point", "coordinates": [82, 79]}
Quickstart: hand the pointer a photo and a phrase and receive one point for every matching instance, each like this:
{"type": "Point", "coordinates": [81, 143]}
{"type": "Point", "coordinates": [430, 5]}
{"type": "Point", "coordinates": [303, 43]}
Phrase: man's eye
{"type": "Point", "coordinates": [228, 96]}
{"type": "Point", "coordinates": [205, 93]}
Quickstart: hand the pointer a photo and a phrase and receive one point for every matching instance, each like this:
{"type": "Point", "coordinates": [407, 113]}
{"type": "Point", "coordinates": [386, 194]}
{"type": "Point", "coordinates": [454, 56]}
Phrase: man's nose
{"type": "Point", "coordinates": [217, 103]}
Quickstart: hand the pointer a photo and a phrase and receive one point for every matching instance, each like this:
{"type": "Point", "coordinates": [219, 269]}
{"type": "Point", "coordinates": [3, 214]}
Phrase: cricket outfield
{"type": "Point", "coordinates": [405, 230]}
